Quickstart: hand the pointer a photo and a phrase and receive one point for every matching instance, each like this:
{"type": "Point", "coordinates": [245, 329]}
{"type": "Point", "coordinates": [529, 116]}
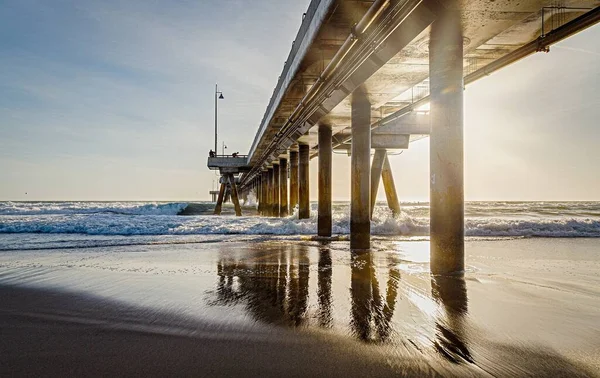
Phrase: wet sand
{"type": "Point", "coordinates": [527, 307]}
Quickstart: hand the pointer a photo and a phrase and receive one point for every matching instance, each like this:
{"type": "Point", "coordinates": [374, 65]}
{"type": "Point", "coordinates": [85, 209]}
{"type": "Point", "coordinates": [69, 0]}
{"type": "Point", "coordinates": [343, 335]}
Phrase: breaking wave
{"type": "Point", "coordinates": [62, 208]}
{"type": "Point", "coordinates": [160, 219]}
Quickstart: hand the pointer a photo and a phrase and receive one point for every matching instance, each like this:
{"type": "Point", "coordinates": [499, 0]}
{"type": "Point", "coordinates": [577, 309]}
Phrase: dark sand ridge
{"type": "Point", "coordinates": [310, 309]}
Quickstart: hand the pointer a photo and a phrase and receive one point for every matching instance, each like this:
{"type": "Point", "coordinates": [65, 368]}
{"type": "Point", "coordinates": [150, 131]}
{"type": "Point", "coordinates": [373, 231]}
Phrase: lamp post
{"type": "Point", "coordinates": [218, 96]}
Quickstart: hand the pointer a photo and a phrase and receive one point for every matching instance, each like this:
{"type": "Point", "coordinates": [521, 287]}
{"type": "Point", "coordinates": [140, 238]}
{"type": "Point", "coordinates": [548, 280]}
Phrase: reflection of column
{"type": "Point", "coordinates": [361, 294]}
{"type": "Point", "coordinates": [451, 337]}
{"type": "Point", "coordinates": [370, 307]}
{"type": "Point", "coordinates": [298, 285]}
{"type": "Point", "coordinates": [324, 288]}
{"type": "Point", "coordinates": [273, 285]}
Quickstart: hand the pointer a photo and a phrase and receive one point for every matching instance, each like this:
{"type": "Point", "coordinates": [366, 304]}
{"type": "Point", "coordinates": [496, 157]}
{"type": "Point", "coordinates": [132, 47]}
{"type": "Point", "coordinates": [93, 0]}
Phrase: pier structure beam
{"type": "Point", "coordinates": [376, 167]}
{"type": "Point", "coordinates": [325, 158]}
{"type": "Point", "coordinates": [360, 222]}
{"type": "Point", "coordinates": [390, 188]}
{"type": "Point", "coordinates": [276, 189]}
{"type": "Point", "coordinates": [234, 196]}
{"type": "Point", "coordinates": [293, 179]}
{"type": "Point", "coordinates": [219, 204]}
{"type": "Point", "coordinates": [446, 145]}
{"type": "Point", "coordinates": [283, 187]}
{"type": "Point", "coordinates": [303, 182]}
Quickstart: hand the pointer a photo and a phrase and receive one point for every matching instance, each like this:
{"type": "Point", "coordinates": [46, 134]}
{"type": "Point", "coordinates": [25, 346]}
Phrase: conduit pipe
{"type": "Point", "coordinates": [358, 31]}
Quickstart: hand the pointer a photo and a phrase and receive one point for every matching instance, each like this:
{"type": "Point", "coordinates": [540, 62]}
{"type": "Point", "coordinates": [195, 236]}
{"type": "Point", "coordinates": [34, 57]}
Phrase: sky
{"type": "Point", "coordinates": [112, 100]}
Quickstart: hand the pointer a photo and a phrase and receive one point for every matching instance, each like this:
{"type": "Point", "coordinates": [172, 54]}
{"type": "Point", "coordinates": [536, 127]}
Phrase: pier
{"type": "Point", "coordinates": [357, 78]}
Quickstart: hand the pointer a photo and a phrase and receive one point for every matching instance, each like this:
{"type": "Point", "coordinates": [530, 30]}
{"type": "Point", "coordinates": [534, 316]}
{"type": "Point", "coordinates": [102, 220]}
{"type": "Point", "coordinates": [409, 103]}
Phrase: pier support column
{"type": "Point", "coordinates": [234, 196]}
{"type": "Point", "coordinates": [269, 207]}
{"type": "Point", "coordinates": [390, 188]}
{"type": "Point", "coordinates": [446, 145]}
{"type": "Point", "coordinates": [275, 207]}
{"type": "Point", "coordinates": [219, 204]}
{"type": "Point", "coordinates": [376, 168]}
{"type": "Point", "coordinates": [303, 182]}
{"type": "Point", "coordinates": [325, 156]}
{"type": "Point", "coordinates": [263, 193]}
{"type": "Point", "coordinates": [283, 188]}
{"type": "Point", "coordinates": [293, 180]}
{"type": "Point", "coordinates": [360, 222]}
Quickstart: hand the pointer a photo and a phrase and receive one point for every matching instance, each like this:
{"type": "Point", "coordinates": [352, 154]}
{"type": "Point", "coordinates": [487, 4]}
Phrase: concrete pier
{"type": "Point", "coordinates": [303, 182]}
{"type": "Point", "coordinates": [325, 157]}
{"type": "Point", "coordinates": [276, 189]}
{"type": "Point", "coordinates": [376, 167]}
{"type": "Point", "coordinates": [283, 188]}
{"type": "Point", "coordinates": [293, 179]}
{"type": "Point", "coordinates": [390, 188]}
{"type": "Point", "coordinates": [369, 85]}
{"type": "Point", "coordinates": [446, 144]}
{"type": "Point", "coordinates": [360, 222]}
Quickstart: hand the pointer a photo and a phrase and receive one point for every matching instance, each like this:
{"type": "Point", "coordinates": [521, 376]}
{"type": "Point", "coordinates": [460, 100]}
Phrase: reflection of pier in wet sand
{"type": "Point", "coordinates": [297, 308]}
{"type": "Point", "coordinates": [371, 299]}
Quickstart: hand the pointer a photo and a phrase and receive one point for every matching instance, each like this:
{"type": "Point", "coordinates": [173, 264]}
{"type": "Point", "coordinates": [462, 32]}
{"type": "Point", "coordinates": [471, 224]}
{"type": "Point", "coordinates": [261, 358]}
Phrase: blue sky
{"type": "Point", "coordinates": [111, 100]}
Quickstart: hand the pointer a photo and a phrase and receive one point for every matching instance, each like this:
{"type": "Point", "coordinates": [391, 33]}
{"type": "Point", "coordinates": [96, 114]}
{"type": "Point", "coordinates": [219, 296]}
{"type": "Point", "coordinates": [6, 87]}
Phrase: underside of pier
{"type": "Point", "coordinates": [357, 78]}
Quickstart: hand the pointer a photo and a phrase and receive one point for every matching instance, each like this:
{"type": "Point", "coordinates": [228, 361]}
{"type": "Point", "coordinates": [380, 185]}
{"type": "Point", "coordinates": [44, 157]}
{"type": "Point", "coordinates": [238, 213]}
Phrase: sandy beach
{"type": "Point", "coordinates": [272, 307]}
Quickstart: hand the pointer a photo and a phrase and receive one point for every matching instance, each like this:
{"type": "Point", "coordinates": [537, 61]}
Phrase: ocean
{"type": "Point", "coordinates": [40, 225]}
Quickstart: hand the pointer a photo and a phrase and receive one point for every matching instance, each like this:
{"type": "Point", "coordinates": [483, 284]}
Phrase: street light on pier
{"type": "Point", "coordinates": [218, 96]}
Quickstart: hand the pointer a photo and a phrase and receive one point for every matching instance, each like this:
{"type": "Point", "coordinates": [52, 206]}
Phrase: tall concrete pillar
{"type": "Point", "coordinates": [263, 193]}
{"type": "Point", "coordinates": [325, 155]}
{"type": "Point", "coordinates": [360, 222]}
{"type": "Point", "coordinates": [275, 207]}
{"type": "Point", "coordinates": [303, 182]}
{"type": "Point", "coordinates": [293, 179]}
{"type": "Point", "coordinates": [283, 187]}
{"type": "Point", "coordinates": [376, 168]}
{"type": "Point", "coordinates": [446, 144]}
{"type": "Point", "coordinates": [257, 192]}
{"type": "Point", "coordinates": [269, 203]}
{"type": "Point", "coordinates": [389, 186]}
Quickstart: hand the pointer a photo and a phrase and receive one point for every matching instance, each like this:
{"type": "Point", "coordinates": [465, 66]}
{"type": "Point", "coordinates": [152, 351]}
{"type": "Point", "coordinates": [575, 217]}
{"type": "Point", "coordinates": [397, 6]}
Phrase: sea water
{"type": "Point", "coordinates": [41, 225]}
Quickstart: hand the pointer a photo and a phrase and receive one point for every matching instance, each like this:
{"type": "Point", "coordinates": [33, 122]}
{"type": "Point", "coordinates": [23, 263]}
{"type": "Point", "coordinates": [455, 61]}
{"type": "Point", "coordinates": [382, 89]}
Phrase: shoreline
{"type": "Point", "coordinates": [525, 307]}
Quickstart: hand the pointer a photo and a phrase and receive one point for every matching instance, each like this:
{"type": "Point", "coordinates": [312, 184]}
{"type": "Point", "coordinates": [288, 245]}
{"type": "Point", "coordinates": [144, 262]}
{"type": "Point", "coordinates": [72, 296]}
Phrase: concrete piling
{"type": "Point", "coordinates": [293, 179]}
{"type": "Point", "coordinates": [234, 196]}
{"type": "Point", "coordinates": [276, 189]}
{"type": "Point", "coordinates": [390, 188]}
{"type": "Point", "coordinates": [283, 188]}
{"type": "Point", "coordinates": [220, 199]}
{"type": "Point", "coordinates": [446, 144]}
{"type": "Point", "coordinates": [325, 157]}
{"type": "Point", "coordinates": [376, 167]}
{"type": "Point", "coordinates": [360, 222]}
{"type": "Point", "coordinates": [303, 182]}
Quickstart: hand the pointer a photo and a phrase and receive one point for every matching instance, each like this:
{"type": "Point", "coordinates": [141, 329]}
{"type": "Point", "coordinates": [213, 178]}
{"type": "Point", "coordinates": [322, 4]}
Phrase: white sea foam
{"type": "Point", "coordinates": [57, 208]}
{"type": "Point", "coordinates": [127, 218]}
